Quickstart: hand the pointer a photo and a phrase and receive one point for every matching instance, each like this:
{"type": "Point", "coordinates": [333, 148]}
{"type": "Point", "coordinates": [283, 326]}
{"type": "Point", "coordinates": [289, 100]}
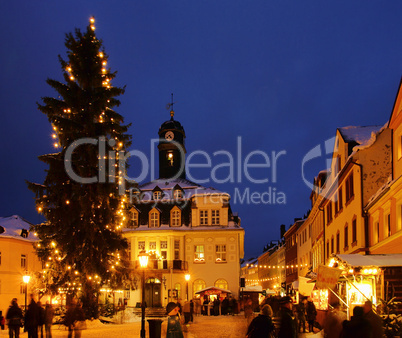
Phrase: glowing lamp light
{"type": "Point", "coordinates": [143, 258]}
{"type": "Point", "coordinates": [187, 277]}
{"type": "Point", "coordinates": [92, 20]}
{"type": "Point", "coordinates": [26, 278]}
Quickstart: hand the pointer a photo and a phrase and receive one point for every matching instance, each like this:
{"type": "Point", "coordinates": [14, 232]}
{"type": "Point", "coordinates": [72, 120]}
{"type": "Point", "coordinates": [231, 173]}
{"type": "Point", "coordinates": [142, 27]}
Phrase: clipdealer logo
{"type": "Point", "coordinates": [257, 167]}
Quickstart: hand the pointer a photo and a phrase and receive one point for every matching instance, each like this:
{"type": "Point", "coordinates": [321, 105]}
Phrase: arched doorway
{"type": "Point", "coordinates": [153, 292]}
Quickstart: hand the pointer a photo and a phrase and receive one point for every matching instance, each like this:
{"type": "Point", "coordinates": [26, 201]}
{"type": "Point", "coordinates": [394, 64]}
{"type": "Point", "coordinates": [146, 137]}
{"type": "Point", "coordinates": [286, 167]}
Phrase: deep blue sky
{"type": "Point", "coordinates": [283, 75]}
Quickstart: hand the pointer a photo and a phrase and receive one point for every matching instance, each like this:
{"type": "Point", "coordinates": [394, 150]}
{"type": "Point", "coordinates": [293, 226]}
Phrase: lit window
{"type": "Point", "coordinates": [175, 217]}
{"type": "Point", "coordinates": [215, 217]}
{"type": "Point", "coordinates": [154, 219]}
{"type": "Point", "coordinates": [141, 245]}
{"type": "Point", "coordinates": [354, 231]}
{"type": "Point", "coordinates": [164, 244]}
{"type": "Point", "coordinates": [221, 283]}
{"type": "Point", "coordinates": [170, 158]}
{"type": "Point", "coordinates": [349, 187]}
{"type": "Point", "coordinates": [23, 261]}
{"type": "Point", "coordinates": [198, 285]}
{"type": "Point", "coordinates": [177, 287]}
{"type": "Point", "coordinates": [157, 195]}
{"type": "Point", "coordinates": [346, 237]}
{"type": "Point", "coordinates": [203, 217]}
{"type": "Point", "coordinates": [176, 249]}
{"type": "Point", "coordinates": [177, 194]}
{"type": "Point", "coordinates": [152, 245]}
{"type": "Point", "coordinates": [134, 218]}
{"type": "Point", "coordinates": [220, 253]}
{"type": "Point", "coordinates": [199, 253]}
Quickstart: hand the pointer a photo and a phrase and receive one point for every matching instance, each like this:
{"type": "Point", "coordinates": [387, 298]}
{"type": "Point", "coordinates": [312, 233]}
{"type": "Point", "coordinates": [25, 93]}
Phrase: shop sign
{"type": "Point", "coordinates": [327, 277]}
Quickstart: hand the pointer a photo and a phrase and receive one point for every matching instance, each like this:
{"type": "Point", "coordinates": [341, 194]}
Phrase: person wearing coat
{"type": "Point", "coordinates": [49, 314]}
{"type": "Point", "coordinates": [32, 319]}
{"type": "Point", "coordinates": [288, 327]}
{"type": "Point", "coordinates": [374, 319]}
{"type": "Point", "coordinates": [261, 326]}
{"type": "Point", "coordinates": [14, 319]}
{"type": "Point", "coordinates": [311, 315]}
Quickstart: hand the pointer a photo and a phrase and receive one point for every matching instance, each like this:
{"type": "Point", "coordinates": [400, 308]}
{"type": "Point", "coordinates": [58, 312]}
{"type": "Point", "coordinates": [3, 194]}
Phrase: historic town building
{"type": "Point", "coordinates": [186, 228]}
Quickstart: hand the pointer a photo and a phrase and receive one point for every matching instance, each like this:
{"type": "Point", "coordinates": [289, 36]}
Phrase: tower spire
{"type": "Point", "coordinates": [170, 106]}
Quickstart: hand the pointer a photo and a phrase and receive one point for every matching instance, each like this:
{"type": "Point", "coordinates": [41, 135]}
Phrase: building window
{"type": "Point", "coordinates": [198, 285]}
{"type": "Point", "coordinates": [388, 224]}
{"type": "Point", "coordinates": [129, 249]}
{"type": "Point", "coordinates": [134, 218]}
{"type": "Point", "coordinates": [327, 249]}
{"type": "Point", "coordinates": [163, 245]}
{"type": "Point", "coordinates": [338, 239]}
{"type": "Point", "coordinates": [215, 217]}
{"type": "Point", "coordinates": [177, 194]}
{"type": "Point", "coordinates": [376, 232]}
{"type": "Point", "coordinates": [340, 201]}
{"type": "Point", "coordinates": [199, 255]}
{"type": "Point", "coordinates": [354, 231]}
{"type": "Point", "coordinates": [177, 287]}
{"type": "Point", "coordinates": [175, 217]}
{"type": "Point", "coordinates": [220, 253]}
{"type": "Point", "coordinates": [141, 245]}
{"type": "Point", "coordinates": [153, 219]}
{"type": "Point", "coordinates": [157, 195]}
{"type": "Point", "coordinates": [329, 212]}
{"type": "Point", "coordinates": [221, 283]}
{"type": "Point", "coordinates": [346, 237]}
{"type": "Point", "coordinates": [176, 249]}
{"type": "Point", "coordinates": [332, 245]}
{"type": "Point", "coordinates": [203, 217]}
{"type": "Point", "coordinates": [152, 246]}
{"type": "Point", "coordinates": [170, 157]}
{"type": "Point", "coordinates": [23, 261]}
{"type": "Point", "coordinates": [349, 187]}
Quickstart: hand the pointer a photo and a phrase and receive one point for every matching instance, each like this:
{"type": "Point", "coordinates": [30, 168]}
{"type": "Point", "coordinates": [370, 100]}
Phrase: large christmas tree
{"type": "Point", "coordinates": [82, 198]}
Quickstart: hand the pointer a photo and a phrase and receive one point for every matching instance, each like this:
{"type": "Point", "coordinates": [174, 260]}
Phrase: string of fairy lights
{"type": "Point", "coordinates": [56, 256]}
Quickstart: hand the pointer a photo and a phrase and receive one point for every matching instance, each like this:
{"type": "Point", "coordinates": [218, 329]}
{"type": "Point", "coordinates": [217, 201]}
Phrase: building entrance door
{"type": "Point", "coordinates": [153, 292]}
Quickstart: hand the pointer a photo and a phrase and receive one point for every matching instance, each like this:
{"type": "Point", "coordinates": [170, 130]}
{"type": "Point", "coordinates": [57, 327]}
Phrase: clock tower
{"type": "Point", "coordinates": [171, 149]}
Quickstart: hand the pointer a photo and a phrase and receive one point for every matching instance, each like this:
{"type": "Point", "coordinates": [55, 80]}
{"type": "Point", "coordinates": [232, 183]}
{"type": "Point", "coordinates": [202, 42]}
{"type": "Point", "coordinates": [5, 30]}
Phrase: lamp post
{"type": "Point", "coordinates": [143, 258]}
{"type": "Point", "coordinates": [187, 278]}
{"type": "Point", "coordinates": [26, 279]}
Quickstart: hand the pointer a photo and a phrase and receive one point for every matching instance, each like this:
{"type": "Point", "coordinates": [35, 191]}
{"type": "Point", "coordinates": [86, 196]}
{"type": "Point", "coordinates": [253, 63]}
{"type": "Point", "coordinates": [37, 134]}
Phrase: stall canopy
{"type": "Point", "coordinates": [212, 290]}
{"type": "Point", "coordinates": [302, 284]}
{"type": "Point", "coordinates": [386, 260]}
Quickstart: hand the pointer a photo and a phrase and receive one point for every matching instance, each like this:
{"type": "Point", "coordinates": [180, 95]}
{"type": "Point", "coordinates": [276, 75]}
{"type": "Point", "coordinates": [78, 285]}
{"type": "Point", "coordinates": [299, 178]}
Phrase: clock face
{"type": "Point", "coordinates": [169, 136]}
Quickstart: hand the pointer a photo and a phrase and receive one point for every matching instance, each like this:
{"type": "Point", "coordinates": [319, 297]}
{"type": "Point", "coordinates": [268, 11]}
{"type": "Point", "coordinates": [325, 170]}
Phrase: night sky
{"type": "Point", "coordinates": [282, 75]}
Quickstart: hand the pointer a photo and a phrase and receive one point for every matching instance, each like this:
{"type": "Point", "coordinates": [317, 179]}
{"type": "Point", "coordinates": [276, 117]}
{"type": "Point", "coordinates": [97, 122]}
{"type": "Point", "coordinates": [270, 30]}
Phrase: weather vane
{"type": "Point", "coordinates": [169, 106]}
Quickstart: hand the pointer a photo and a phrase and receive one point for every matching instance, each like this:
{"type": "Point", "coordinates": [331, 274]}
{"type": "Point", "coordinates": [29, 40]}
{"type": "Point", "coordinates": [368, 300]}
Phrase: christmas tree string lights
{"type": "Point", "coordinates": [81, 242]}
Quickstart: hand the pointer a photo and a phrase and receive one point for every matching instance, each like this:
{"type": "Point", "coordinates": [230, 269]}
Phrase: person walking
{"type": "Point", "coordinates": [49, 314]}
{"type": "Point", "coordinates": [261, 326]}
{"type": "Point", "coordinates": [31, 321]}
{"type": "Point", "coordinates": [41, 318]}
{"type": "Point", "coordinates": [374, 319]}
{"type": "Point", "coordinates": [311, 315]}
{"type": "Point", "coordinates": [301, 315]}
{"type": "Point", "coordinates": [74, 319]}
{"type": "Point", "coordinates": [191, 310]}
{"type": "Point", "coordinates": [357, 326]}
{"type": "Point", "coordinates": [333, 321]}
{"type": "Point", "coordinates": [14, 319]}
{"type": "Point", "coordinates": [288, 328]}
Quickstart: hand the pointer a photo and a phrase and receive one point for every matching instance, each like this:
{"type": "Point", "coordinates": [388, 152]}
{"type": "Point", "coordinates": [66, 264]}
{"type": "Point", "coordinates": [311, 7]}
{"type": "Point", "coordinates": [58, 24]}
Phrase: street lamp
{"type": "Point", "coordinates": [187, 278]}
{"type": "Point", "coordinates": [143, 258]}
{"type": "Point", "coordinates": [26, 279]}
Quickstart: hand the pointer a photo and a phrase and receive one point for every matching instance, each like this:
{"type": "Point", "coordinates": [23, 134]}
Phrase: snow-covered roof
{"type": "Point", "coordinates": [364, 136]}
{"type": "Point", "coordinates": [212, 289]}
{"type": "Point", "coordinates": [371, 260]}
{"type": "Point", "coordinates": [13, 227]}
{"type": "Point", "coordinates": [252, 288]}
{"type": "Point", "coordinates": [189, 188]}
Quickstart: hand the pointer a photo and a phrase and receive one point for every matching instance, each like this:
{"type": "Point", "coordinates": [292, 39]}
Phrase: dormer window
{"type": "Point", "coordinates": [154, 218]}
{"type": "Point", "coordinates": [175, 217]}
{"type": "Point", "coordinates": [177, 194]}
{"type": "Point", "coordinates": [133, 218]}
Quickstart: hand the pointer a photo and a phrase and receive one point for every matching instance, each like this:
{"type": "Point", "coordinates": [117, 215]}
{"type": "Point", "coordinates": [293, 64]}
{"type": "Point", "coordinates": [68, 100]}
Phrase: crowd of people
{"type": "Point", "coordinates": [291, 320]}
{"type": "Point", "coordinates": [37, 320]}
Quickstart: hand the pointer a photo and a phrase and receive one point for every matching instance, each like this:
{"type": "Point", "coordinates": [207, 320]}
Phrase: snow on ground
{"type": "Point", "coordinates": [203, 327]}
